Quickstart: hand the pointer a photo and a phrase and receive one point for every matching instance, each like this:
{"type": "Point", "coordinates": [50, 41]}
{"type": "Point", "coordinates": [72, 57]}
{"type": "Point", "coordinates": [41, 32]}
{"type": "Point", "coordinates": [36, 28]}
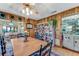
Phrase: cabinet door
{"type": "Point", "coordinates": [68, 42]}
{"type": "Point", "coordinates": [76, 44]}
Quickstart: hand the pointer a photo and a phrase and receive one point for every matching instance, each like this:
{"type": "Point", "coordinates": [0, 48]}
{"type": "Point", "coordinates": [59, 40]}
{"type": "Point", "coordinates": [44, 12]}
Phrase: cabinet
{"type": "Point", "coordinates": [68, 41]}
{"type": "Point", "coordinates": [71, 42]}
{"type": "Point", "coordinates": [70, 30]}
{"type": "Point", "coordinates": [76, 43]}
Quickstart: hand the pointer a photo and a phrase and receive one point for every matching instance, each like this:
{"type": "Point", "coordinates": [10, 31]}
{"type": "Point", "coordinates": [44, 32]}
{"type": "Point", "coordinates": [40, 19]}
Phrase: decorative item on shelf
{"type": "Point", "coordinates": [2, 15]}
{"type": "Point", "coordinates": [19, 18]}
{"type": "Point", "coordinates": [12, 17]}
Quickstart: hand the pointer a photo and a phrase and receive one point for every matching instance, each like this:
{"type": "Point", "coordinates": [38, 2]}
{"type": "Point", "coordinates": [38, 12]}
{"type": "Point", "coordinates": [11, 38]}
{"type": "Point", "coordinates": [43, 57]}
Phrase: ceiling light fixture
{"type": "Point", "coordinates": [27, 10]}
{"type": "Point", "coordinates": [31, 12]}
{"type": "Point", "coordinates": [23, 11]}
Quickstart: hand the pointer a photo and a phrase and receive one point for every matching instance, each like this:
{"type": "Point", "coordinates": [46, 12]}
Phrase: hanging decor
{"type": "Point", "coordinates": [2, 15]}
{"type": "Point", "coordinates": [19, 18]}
{"type": "Point", "coordinates": [12, 17]}
{"type": "Point", "coordinates": [55, 22]}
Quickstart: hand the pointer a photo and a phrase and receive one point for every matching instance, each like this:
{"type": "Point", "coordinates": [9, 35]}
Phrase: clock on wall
{"type": "Point", "coordinates": [2, 15]}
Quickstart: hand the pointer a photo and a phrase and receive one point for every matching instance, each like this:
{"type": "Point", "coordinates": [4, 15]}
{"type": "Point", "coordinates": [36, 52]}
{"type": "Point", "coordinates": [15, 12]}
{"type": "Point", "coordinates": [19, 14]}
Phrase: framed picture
{"type": "Point", "coordinates": [29, 26]}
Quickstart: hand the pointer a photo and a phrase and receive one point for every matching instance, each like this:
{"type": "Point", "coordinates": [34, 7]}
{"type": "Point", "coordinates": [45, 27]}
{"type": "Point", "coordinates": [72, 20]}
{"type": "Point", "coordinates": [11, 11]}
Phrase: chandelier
{"type": "Point", "coordinates": [27, 9]}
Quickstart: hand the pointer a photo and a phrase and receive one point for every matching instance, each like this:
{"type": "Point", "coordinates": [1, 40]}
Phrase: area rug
{"type": "Point", "coordinates": [55, 54]}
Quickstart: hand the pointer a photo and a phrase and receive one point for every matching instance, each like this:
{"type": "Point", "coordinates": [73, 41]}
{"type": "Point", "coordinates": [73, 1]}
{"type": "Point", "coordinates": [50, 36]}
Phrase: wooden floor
{"type": "Point", "coordinates": [64, 51]}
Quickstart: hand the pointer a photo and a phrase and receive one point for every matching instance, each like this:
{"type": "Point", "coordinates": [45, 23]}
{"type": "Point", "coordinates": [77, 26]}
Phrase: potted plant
{"type": "Point", "coordinates": [54, 26]}
{"type": "Point", "coordinates": [52, 30]}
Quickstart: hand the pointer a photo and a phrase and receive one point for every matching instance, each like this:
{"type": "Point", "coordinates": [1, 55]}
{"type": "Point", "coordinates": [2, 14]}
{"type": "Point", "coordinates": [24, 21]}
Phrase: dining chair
{"type": "Point", "coordinates": [44, 50]}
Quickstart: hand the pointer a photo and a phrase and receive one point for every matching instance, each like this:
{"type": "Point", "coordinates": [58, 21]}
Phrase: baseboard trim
{"type": "Point", "coordinates": [58, 46]}
{"type": "Point", "coordinates": [70, 49]}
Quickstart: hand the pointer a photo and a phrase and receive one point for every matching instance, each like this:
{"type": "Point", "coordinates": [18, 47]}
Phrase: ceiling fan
{"type": "Point", "coordinates": [29, 8]}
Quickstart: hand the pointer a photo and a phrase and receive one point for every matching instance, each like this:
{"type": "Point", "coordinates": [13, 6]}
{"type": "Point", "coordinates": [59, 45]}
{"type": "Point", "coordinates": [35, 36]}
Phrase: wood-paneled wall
{"type": "Point", "coordinates": [32, 21]}
{"type": "Point", "coordinates": [59, 21]}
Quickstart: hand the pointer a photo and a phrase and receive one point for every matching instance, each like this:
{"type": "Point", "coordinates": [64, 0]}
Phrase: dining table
{"type": "Point", "coordinates": [26, 48]}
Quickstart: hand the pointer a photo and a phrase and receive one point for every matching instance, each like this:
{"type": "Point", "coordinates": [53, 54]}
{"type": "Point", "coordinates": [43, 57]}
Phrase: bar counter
{"type": "Point", "coordinates": [21, 48]}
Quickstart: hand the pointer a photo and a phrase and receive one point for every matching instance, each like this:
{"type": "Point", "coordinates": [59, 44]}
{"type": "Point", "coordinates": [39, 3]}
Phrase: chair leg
{"type": "Point", "coordinates": [50, 48]}
{"type": "Point", "coordinates": [40, 51]}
